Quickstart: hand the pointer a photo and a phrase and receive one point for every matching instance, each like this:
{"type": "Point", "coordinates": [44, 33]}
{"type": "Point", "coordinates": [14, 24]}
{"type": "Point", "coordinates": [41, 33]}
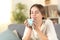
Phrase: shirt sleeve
{"type": "Point", "coordinates": [51, 34]}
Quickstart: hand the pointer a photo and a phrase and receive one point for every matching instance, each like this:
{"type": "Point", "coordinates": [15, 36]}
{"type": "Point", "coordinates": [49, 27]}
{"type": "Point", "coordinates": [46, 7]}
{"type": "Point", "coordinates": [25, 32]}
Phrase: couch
{"type": "Point", "coordinates": [21, 27]}
{"type": "Point", "coordinates": [8, 35]}
{"type": "Point", "coordinates": [57, 29]}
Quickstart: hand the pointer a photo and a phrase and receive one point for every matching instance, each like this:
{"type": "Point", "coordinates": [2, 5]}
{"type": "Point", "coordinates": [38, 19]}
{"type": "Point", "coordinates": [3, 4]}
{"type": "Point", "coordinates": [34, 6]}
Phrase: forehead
{"type": "Point", "coordinates": [34, 8]}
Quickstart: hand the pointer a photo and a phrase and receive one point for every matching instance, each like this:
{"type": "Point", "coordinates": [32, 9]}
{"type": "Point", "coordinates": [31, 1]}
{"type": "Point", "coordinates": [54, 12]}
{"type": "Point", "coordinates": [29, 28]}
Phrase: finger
{"type": "Point", "coordinates": [25, 22]}
{"type": "Point", "coordinates": [35, 22]}
{"type": "Point", "coordinates": [34, 25]}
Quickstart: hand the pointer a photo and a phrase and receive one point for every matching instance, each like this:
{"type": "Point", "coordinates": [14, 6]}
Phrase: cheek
{"type": "Point", "coordinates": [40, 16]}
{"type": "Point", "coordinates": [31, 16]}
{"type": "Point", "coordinates": [37, 15]}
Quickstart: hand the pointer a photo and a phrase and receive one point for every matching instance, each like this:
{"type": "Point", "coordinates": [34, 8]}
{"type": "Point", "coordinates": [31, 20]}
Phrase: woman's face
{"type": "Point", "coordinates": [35, 13]}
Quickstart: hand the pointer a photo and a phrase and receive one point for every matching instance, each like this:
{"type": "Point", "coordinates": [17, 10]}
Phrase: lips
{"type": "Point", "coordinates": [35, 18]}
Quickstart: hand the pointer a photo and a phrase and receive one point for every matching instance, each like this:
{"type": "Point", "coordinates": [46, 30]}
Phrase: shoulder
{"type": "Point", "coordinates": [51, 33]}
{"type": "Point", "coordinates": [48, 21]}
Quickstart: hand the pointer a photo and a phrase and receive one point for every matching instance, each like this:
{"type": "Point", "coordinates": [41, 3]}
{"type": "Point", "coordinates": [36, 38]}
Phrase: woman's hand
{"type": "Point", "coordinates": [37, 24]}
{"type": "Point", "coordinates": [37, 27]}
{"type": "Point", "coordinates": [28, 31]}
{"type": "Point", "coordinates": [27, 24]}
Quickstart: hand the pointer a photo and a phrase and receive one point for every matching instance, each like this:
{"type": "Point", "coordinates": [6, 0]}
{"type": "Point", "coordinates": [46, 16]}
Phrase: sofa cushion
{"type": "Point", "coordinates": [8, 35]}
{"type": "Point", "coordinates": [19, 28]}
{"type": "Point", "coordinates": [57, 28]}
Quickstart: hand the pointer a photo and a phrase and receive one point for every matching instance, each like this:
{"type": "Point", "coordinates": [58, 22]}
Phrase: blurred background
{"type": "Point", "coordinates": [52, 9]}
{"type": "Point", "coordinates": [16, 11]}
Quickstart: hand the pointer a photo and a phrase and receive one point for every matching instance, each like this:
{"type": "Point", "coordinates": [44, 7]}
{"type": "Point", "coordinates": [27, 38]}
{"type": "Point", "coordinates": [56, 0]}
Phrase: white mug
{"type": "Point", "coordinates": [30, 21]}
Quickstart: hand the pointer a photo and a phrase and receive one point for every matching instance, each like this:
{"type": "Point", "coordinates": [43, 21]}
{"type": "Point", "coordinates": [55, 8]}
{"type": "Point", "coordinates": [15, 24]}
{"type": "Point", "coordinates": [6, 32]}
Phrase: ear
{"type": "Point", "coordinates": [43, 17]}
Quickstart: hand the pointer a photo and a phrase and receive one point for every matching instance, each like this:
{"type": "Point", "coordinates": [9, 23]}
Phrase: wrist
{"type": "Point", "coordinates": [38, 29]}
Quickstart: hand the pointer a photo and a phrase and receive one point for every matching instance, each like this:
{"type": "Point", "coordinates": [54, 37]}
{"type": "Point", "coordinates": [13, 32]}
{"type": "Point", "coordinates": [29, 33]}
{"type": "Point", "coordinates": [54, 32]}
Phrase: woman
{"type": "Point", "coordinates": [41, 30]}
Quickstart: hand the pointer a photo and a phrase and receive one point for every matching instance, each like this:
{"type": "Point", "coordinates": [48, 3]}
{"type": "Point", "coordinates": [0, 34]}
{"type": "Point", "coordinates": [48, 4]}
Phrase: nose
{"type": "Point", "coordinates": [34, 15]}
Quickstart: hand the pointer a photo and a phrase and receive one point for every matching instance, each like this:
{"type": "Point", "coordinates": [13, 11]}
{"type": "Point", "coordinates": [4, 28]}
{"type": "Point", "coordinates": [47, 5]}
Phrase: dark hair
{"type": "Point", "coordinates": [40, 8]}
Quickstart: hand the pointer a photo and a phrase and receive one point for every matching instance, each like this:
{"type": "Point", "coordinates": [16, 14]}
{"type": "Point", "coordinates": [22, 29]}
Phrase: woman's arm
{"type": "Point", "coordinates": [27, 34]}
{"type": "Point", "coordinates": [51, 33]}
{"type": "Point", "coordinates": [37, 26]}
{"type": "Point", "coordinates": [41, 35]}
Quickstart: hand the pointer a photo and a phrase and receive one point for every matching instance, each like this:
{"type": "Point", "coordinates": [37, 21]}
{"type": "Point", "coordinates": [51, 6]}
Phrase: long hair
{"type": "Point", "coordinates": [40, 8]}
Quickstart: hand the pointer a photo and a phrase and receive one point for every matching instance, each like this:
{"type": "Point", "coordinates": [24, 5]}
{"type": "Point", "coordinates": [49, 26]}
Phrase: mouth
{"type": "Point", "coordinates": [35, 18]}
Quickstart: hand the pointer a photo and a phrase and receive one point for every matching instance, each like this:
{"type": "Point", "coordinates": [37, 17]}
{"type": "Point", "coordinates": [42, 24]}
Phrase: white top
{"type": "Point", "coordinates": [47, 28]}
